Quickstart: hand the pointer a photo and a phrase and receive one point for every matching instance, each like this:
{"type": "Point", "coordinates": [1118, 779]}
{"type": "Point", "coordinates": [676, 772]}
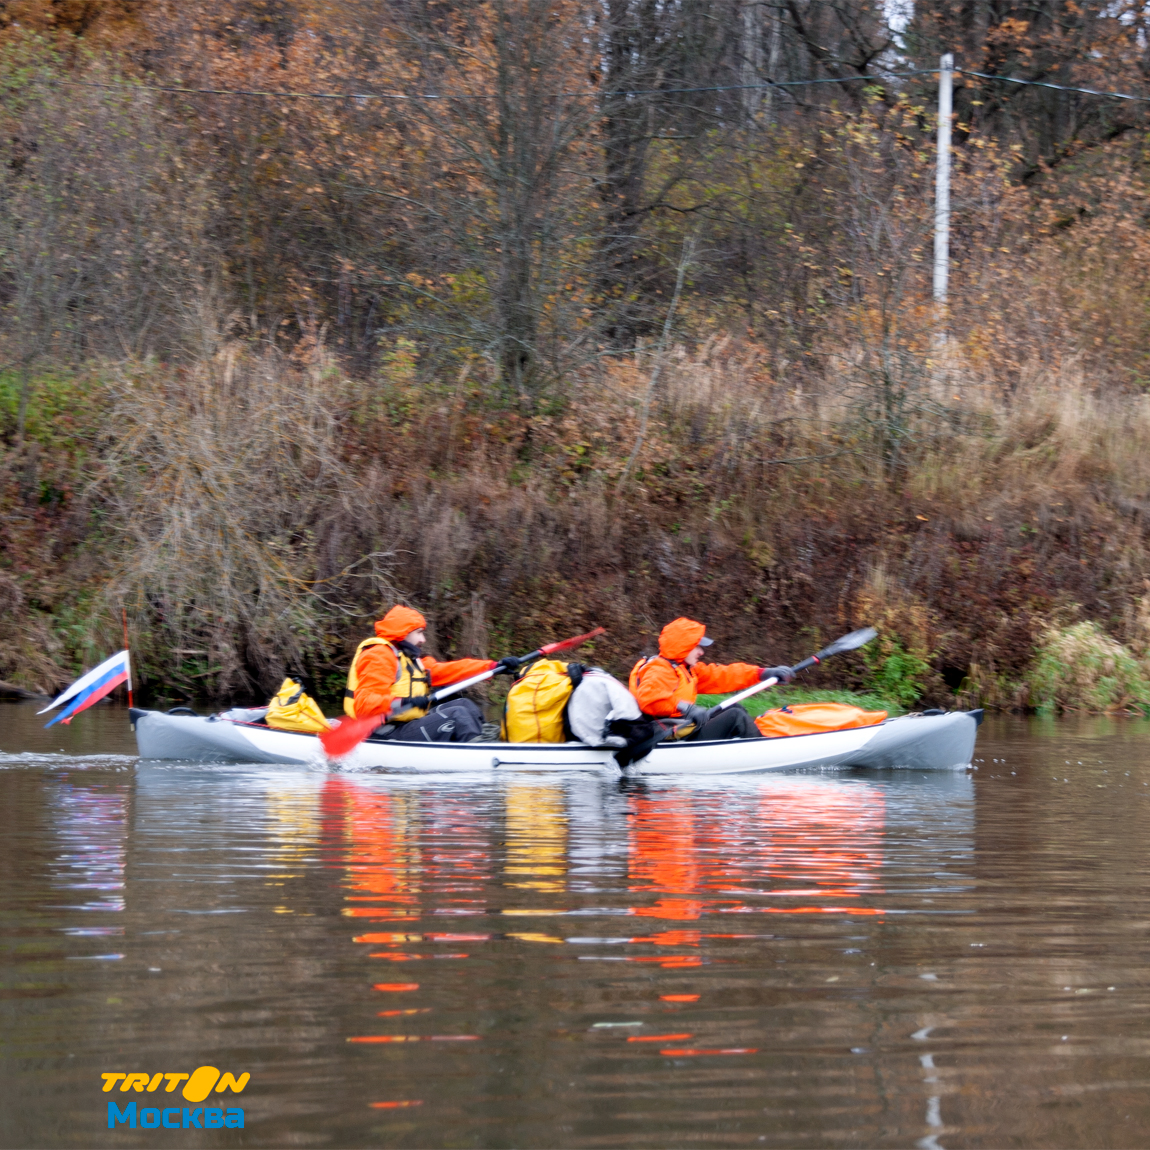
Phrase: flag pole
{"type": "Point", "coordinates": [124, 616]}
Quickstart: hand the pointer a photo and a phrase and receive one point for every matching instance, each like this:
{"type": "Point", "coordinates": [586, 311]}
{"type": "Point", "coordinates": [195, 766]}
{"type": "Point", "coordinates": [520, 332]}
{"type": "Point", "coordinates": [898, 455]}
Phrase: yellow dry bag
{"type": "Point", "coordinates": [537, 702]}
{"type": "Point", "coordinates": [293, 710]}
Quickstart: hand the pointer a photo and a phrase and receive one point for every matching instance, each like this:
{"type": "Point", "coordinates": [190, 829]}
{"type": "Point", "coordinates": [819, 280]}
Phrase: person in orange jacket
{"type": "Point", "coordinates": [392, 678]}
{"type": "Point", "coordinates": [666, 685]}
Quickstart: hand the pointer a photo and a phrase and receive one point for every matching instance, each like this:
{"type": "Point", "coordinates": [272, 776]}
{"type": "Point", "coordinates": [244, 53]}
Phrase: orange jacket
{"type": "Point", "coordinates": [660, 684]}
{"type": "Point", "coordinates": [377, 665]}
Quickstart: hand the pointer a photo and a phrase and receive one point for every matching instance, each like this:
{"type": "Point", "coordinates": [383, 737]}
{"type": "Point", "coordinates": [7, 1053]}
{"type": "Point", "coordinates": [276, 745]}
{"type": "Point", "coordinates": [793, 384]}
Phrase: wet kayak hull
{"type": "Point", "coordinates": [917, 742]}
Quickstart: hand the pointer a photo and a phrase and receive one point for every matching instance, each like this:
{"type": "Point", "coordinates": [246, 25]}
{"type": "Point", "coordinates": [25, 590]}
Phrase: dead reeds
{"type": "Point", "coordinates": [231, 502]}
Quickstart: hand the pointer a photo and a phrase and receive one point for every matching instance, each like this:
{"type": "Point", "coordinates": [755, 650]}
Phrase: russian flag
{"type": "Point", "coordinates": [92, 687]}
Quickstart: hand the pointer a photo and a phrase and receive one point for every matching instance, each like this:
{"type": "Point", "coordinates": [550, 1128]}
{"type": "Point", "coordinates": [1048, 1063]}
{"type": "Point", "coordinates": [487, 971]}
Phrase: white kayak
{"type": "Point", "coordinates": [938, 741]}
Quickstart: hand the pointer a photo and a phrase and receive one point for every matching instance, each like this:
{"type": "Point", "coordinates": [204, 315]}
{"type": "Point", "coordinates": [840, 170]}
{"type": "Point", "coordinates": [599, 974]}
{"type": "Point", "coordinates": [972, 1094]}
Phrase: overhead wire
{"type": "Point", "coordinates": [281, 95]}
{"type": "Point", "coordinates": [1055, 87]}
{"type": "Point", "coordinates": [769, 85]}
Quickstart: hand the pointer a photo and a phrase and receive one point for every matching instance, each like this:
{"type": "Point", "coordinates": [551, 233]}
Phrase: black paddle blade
{"type": "Point", "coordinates": [849, 642]}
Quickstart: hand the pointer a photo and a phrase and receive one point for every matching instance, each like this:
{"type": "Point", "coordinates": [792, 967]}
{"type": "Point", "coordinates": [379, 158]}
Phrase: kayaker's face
{"type": "Point", "coordinates": [417, 638]}
{"type": "Point", "coordinates": [694, 655]}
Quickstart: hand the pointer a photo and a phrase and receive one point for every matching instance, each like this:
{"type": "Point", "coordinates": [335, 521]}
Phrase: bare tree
{"type": "Point", "coordinates": [101, 223]}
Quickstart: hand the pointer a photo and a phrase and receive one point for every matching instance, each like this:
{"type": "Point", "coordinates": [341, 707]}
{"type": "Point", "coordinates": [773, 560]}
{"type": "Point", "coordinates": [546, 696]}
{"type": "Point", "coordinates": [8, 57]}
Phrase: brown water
{"type": "Point", "coordinates": [822, 959]}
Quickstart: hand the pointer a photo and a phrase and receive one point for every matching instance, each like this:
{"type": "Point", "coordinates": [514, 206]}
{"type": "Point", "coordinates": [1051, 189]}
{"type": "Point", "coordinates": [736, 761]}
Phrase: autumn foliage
{"type": "Point", "coordinates": [544, 314]}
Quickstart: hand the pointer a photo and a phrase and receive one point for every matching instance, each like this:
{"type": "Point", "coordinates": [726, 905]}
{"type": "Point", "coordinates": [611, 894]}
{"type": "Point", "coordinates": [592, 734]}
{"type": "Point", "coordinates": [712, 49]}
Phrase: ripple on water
{"type": "Point", "coordinates": [70, 762]}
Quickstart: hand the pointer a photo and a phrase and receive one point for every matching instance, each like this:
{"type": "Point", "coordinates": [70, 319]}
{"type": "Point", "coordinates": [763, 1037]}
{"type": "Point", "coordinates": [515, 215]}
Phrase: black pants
{"type": "Point", "coordinates": [733, 723]}
{"type": "Point", "coordinates": [456, 721]}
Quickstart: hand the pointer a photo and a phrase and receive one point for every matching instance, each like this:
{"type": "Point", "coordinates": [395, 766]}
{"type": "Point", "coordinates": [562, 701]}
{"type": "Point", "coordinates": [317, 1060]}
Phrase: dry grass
{"type": "Point", "coordinates": [231, 501]}
{"type": "Point", "coordinates": [248, 489]}
{"type": "Point", "coordinates": [830, 465]}
{"type": "Point", "coordinates": [28, 649]}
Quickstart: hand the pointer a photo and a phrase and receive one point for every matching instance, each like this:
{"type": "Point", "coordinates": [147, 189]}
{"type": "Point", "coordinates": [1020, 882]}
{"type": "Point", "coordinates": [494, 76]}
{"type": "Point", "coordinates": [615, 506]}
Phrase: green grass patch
{"type": "Point", "coordinates": [782, 696]}
{"type": "Point", "coordinates": [64, 408]}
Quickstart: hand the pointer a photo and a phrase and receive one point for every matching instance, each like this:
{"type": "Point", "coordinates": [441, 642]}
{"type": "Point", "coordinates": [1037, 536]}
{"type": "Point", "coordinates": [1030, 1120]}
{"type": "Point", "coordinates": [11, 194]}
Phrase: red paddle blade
{"type": "Point", "coordinates": [567, 644]}
{"type": "Point", "coordinates": [348, 735]}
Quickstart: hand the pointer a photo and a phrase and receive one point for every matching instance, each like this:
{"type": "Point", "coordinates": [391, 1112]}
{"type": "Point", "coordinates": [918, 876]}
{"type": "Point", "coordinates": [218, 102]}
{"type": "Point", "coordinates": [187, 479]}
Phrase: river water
{"type": "Point", "coordinates": [819, 959]}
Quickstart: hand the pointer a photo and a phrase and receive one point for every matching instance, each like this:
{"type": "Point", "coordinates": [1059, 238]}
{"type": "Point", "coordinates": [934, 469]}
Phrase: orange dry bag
{"type": "Point", "coordinates": [811, 718]}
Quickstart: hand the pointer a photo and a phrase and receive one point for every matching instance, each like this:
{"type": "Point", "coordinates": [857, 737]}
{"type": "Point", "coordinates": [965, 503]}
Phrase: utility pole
{"type": "Point", "coordinates": [942, 189]}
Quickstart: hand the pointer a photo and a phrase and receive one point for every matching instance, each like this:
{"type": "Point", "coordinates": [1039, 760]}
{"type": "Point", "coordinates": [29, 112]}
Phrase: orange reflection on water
{"type": "Point", "coordinates": [671, 938]}
{"type": "Point", "coordinates": [662, 844]}
{"type": "Point", "coordinates": [380, 849]}
{"type": "Point", "coordinates": [683, 909]}
{"type": "Point", "coordinates": [666, 961]}
{"type": "Point", "coordinates": [385, 937]}
{"type": "Point", "coordinates": [825, 837]}
{"type": "Point", "coordinates": [805, 839]}
{"type": "Point", "coordinates": [397, 956]}
{"type": "Point", "coordinates": [374, 1038]}
{"type": "Point", "coordinates": [379, 912]}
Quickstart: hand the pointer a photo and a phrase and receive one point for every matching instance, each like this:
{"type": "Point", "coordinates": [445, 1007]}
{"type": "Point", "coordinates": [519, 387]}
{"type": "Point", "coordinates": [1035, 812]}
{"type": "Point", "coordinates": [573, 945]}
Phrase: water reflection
{"type": "Point", "coordinates": [839, 959]}
{"type": "Point", "coordinates": [792, 847]}
{"type": "Point", "coordinates": [413, 857]}
{"type": "Point", "coordinates": [812, 838]}
{"type": "Point", "coordinates": [536, 842]}
{"type": "Point", "coordinates": [371, 835]}
{"type": "Point", "coordinates": [91, 824]}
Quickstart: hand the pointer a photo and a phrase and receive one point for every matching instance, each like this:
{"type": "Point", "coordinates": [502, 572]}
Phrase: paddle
{"type": "Point", "coordinates": [849, 642]}
{"type": "Point", "coordinates": [349, 733]}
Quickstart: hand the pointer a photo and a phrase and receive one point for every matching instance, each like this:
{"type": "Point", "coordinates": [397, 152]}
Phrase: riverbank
{"type": "Point", "coordinates": [254, 514]}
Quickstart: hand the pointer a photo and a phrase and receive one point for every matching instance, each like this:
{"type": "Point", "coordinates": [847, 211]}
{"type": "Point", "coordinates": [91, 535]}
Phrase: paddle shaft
{"type": "Point", "coordinates": [851, 642]}
{"type": "Point", "coordinates": [766, 683]}
{"type": "Point", "coordinates": [547, 649]}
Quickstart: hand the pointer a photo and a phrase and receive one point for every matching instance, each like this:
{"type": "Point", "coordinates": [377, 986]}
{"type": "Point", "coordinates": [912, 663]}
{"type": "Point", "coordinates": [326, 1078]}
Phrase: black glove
{"type": "Point", "coordinates": [422, 703]}
{"type": "Point", "coordinates": [693, 713]}
{"type": "Point", "coordinates": [508, 665]}
{"type": "Point", "coordinates": [784, 674]}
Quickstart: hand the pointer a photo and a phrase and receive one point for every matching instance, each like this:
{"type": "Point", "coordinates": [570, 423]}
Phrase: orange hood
{"type": "Point", "coordinates": [398, 623]}
{"type": "Point", "coordinates": [679, 638]}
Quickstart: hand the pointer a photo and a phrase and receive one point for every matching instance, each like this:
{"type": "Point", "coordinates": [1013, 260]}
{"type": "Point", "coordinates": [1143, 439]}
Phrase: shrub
{"type": "Point", "coordinates": [896, 673]}
{"type": "Point", "coordinates": [1081, 668]}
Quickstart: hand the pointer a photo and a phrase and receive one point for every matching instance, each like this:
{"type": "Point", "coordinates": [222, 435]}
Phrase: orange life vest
{"type": "Point", "coordinates": [412, 680]}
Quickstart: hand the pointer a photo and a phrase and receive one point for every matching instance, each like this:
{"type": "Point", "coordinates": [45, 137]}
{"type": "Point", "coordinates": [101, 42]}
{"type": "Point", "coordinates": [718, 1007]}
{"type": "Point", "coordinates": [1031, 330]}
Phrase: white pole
{"type": "Point", "coordinates": [942, 182]}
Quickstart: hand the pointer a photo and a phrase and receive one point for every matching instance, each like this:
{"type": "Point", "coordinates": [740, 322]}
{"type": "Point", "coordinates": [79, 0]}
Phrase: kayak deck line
{"type": "Point", "coordinates": [935, 741]}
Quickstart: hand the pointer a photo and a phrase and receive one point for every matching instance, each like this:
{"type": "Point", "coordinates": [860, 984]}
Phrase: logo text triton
{"type": "Point", "coordinates": [198, 1085]}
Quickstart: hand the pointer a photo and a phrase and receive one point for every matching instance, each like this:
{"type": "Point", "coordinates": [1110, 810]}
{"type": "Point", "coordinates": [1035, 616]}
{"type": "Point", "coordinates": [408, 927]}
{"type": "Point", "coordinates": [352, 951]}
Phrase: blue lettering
{"type": "Point", "coordinates": [192, 1118]}
{"type": "Point", "coordinates": [128, 1115]}
{"type": "Point", "coordinates": [149, 1119]}
{"type": "Point", "coordinates": [234, 1118]}
{"type": "Point", "coordinates": [213, 1118]}
{"type": "Point", "coordinates": [173, 1124]}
